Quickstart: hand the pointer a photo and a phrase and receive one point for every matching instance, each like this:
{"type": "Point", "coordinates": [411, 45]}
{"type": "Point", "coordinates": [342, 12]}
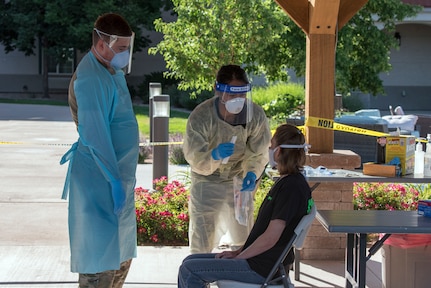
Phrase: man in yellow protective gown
{"type": "Point", "coordinates": [227, 138]}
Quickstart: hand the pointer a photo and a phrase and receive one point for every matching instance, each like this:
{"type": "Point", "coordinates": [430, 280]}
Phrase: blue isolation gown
{"type": "Point", "coordinates": [102, 165]}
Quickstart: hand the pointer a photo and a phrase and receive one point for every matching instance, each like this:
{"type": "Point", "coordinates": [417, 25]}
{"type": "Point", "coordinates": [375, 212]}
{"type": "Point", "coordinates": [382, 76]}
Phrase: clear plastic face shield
{"type": "Point", "coordinates": [237, 102]}
{"type": "Point", "coordinates": [272, 161]}
{"type": "Point", "coordinates": [123, 57]}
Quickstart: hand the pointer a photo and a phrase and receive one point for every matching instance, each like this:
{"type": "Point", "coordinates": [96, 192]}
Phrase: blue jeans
{"type": "Point", "coordinates": [198, 270]}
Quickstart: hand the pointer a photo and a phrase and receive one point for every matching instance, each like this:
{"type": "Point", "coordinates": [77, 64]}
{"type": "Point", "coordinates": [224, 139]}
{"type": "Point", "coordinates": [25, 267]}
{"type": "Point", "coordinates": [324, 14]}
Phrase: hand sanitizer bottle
{"type": "Point", "coordinates": [427, 162]}
{"type": "Point", "coordinates": [419, 159]}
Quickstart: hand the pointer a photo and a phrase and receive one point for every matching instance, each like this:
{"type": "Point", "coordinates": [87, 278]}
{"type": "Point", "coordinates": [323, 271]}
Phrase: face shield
{"type": "Point", "coordinates": [123, 58]}
{"type": "Point", "coordinates": [237, 101]}
{"type": "Point", "coordinates": [272, 161]}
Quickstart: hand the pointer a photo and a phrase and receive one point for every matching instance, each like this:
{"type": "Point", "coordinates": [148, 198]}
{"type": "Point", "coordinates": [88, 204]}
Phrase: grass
{"type": "Point", "coordinates": [177, 121]}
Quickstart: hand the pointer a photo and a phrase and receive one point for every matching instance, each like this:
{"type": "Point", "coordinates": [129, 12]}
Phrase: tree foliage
{"type": "Point", "coordinates": [260, 36]}
{"type": "Point", "coordinates": [58, 25]}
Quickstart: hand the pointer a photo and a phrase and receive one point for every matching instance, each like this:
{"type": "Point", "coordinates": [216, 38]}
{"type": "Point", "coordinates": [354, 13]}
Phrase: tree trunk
{"type": "Point", "coordinates": [45, 66]}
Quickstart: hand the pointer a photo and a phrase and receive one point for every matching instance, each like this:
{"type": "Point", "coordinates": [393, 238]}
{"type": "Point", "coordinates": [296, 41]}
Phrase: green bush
{"type": "Point", "coordinates": [183, 99]}
{"type": "Point", "coordinates": [263, 189]}
{"type": "Point", "coordinates": [145, 151]}
{"type": "Point", "coordinates": [280, 100]}
{"type": "Point", "coordinates": [351, 103]}
{"type": "Point", "coordinates": [176, 154]}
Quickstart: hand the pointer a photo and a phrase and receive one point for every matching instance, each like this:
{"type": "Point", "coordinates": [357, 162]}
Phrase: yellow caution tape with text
{"type": "Point", "coordinates": [330, 124]}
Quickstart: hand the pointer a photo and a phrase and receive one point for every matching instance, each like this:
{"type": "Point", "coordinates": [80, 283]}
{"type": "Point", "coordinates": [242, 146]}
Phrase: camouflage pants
{"type": "Point", "coordinates": [106, 279]}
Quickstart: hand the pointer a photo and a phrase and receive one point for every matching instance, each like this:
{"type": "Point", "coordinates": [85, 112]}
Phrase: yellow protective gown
{"type": "Point", "coordinates": [102, 164]}
{"type": "Point", "coordinates": [211, 204]}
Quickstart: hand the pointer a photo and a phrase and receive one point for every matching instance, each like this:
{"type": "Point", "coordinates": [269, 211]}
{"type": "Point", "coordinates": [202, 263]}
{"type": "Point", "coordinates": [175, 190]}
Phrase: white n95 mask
{"type": "Point", "coordinates": [235, 105]}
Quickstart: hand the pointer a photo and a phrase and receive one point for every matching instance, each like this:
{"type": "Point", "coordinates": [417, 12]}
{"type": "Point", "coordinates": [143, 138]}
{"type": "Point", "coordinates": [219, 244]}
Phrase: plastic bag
{"type": "Point", "coordinates": [408, 240]}
{"type": "Point", "coordinates": [318, 171]}
{"type": "Point", "coordinates": [243, 202]}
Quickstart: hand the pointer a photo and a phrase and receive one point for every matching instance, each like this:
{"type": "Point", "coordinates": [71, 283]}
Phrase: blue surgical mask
{"type": "Point", "coordinates": [120, 60]}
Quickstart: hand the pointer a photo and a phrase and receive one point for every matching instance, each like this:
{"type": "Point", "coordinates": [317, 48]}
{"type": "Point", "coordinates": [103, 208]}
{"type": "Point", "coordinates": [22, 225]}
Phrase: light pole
{"type": "Point", "coordinates": [160, 115]}
{"type": "Point", "coordinates": [155, 89]}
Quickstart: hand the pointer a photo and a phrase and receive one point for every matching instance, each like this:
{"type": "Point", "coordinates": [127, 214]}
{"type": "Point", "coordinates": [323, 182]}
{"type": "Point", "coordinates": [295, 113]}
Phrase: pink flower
{"type": "Point", "coordinates": [183, 217]}
{"type": "Point", "coordinates": [154, 238]}
{"type": "Point", "coordinates": [165, 213]}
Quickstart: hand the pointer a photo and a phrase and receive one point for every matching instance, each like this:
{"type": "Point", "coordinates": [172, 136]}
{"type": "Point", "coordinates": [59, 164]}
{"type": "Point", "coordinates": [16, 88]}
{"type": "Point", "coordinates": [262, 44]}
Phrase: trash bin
{"type": "Point", "coordinates": [403, 263]}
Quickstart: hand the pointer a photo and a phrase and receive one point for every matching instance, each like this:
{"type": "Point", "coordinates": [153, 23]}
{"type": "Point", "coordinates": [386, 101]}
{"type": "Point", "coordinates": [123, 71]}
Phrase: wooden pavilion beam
{"type": "Point", "coordinates": [320, 20]}
{"type": "Point", "coordinates": [297, 11]}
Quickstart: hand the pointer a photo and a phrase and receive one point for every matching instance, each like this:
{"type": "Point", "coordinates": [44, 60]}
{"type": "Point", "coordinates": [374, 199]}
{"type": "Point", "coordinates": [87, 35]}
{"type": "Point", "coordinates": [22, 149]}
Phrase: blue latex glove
{"type": "Point", "coordinates": [249, 182]}
{"type": "Point", "coordinates": [223, 150]}
{"type": "Point", "coordinates": [118, 196]}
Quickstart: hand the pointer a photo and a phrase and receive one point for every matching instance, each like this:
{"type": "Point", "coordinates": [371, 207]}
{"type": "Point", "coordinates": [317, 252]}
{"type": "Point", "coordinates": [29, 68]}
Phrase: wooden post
{"type": "Point", "coordinates": [320, 20]}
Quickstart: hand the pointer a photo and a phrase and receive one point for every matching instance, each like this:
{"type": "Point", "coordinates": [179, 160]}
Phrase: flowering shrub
{"type": "Point", "coordinates": [385, 196]}
{"type": "Point", "coordinates": [162, 215]}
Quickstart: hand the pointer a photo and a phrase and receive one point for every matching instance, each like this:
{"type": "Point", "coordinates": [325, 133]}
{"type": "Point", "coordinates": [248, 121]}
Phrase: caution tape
{"type": "Point", "coordinates": [63, 144]}
{"type": "Point", "coordinates": [330, 124]}
{"type": "Point", "coordinates": [32, 143]}
{"type": "Point", "coordinates": [159, 143]}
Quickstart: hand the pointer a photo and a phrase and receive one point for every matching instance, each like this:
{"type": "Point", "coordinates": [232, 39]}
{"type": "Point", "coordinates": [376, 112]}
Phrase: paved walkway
{"type": "Point", "coordinates": [34, 248]}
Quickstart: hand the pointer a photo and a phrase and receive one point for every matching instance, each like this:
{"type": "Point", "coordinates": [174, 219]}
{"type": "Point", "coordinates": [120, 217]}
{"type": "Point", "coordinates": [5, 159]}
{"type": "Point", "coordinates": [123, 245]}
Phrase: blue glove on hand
{"type": "Point", "coordinates": [223, 150]}
{"type": "Point", "coordinates": [118, 196]}
{"type": "Point", "coordinates": [249, 182]}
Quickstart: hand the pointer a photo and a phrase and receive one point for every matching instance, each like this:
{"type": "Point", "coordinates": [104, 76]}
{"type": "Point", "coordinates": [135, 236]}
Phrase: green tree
{"type": "Point", "coordinates": [262, 37]}
{"type": "Point", "coordinates": [58, 25]}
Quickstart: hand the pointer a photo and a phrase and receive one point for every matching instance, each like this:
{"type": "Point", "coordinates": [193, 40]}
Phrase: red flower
{"type": "Point", "coordinates": [154, 238]}
{"type": "Point", "coordinates": [183, 217]}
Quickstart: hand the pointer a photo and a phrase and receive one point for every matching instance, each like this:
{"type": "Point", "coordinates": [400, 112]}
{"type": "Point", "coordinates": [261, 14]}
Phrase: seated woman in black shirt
{"type": "Point", "coordinates": [282, 209]}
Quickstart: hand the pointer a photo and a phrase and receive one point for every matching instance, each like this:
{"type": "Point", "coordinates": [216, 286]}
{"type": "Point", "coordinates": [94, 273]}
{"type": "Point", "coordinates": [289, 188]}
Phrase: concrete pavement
{"type": "Point", "coordinates": [34, 248]}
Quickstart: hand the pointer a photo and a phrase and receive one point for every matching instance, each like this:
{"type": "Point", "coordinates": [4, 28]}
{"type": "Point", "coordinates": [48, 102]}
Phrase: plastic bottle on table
{"type": "Point", "coordinates": [419, 159]}
{"type": "Point", "coordinates": [427, 160]}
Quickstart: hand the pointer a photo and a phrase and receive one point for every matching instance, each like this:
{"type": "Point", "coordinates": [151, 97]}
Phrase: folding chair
{"type": "Point", "coordinates": [297, 241]}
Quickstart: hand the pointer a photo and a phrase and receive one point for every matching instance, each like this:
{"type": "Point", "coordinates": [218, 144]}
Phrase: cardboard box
{"type": "Point", "coordinates": [402, 147]}
{"type": "Point", "coordinates": [424, 207]}
{"type": "Point", "coordinates": [384, 170]}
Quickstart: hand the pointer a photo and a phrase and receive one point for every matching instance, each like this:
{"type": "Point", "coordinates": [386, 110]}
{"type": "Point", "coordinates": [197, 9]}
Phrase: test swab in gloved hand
{"type": "Point", "coordinates": [233, 140]}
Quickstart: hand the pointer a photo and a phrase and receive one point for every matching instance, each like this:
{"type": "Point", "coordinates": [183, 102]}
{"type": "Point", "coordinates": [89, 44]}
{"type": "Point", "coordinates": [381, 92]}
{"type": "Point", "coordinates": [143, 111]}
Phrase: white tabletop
{"type": "Point", "coordinates": [341, 175]}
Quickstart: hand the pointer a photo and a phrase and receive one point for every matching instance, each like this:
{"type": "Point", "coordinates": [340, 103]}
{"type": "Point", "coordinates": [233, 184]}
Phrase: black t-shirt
{"type": "Point", "coordinates": [287, 200]}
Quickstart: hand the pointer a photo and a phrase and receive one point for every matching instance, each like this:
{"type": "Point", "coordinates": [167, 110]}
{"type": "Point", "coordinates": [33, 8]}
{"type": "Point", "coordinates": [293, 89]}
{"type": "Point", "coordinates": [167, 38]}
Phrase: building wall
{"type": "Point", "coordinates": [408, 83]}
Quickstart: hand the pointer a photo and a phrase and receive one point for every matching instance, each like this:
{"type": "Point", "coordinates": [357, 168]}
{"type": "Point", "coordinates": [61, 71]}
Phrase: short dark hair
{"type": "Point", "coordinates": [227, 73]}
{"type": "Point", "coordinates": [291, 160]}
{"type": "Point", "coordinates": [112, 24]}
